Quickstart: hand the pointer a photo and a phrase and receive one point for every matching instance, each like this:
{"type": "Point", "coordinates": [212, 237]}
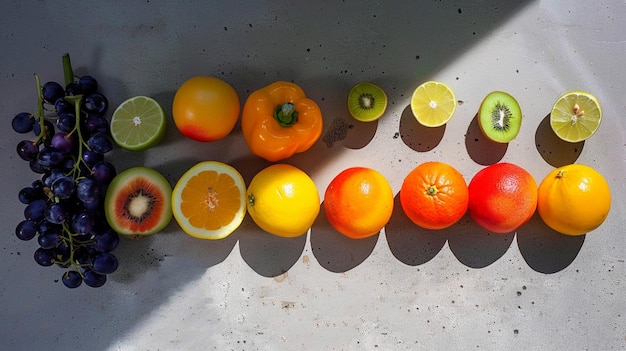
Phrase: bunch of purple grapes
{"type": "Point", "coordinates": [65, 205]}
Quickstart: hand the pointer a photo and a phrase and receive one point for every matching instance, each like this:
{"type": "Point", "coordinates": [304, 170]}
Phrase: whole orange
{"type": "Point", "coordinates": [574, 199]}
{"type": "Point", "coordinates": [205, 108]}
{"type": "Point", "coordinates": [358, 202]}
{"type": "Point", "coordinates": [434, 195]}
{"type": "Point", "coordinates": [502, 197]}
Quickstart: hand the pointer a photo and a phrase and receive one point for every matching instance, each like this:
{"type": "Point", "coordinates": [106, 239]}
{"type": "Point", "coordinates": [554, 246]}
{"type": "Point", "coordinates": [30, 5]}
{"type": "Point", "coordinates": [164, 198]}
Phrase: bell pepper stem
{"type": "Point", "coordinates": [286, 114]}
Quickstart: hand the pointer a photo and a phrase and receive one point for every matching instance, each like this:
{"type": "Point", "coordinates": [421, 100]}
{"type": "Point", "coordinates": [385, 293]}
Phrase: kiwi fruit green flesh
{"type": "Point", "coordinates": [367, 102]}
{"type": "Point", "coordinates": [138, 202]}
{"type": "Point", "coordinates": [500, 117]}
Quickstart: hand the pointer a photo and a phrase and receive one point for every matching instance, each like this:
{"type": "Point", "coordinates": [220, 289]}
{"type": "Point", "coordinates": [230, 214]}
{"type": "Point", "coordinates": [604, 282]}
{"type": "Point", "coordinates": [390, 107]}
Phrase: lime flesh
{"type": "Point", "coordinates": [576, 116]}
{"type": "Point", "coordinates": [138, 123]}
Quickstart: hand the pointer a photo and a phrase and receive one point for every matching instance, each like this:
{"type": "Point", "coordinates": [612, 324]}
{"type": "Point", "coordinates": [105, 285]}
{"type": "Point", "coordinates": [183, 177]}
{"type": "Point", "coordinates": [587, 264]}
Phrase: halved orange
{"type": "Point", "coordinates": [209, 200]}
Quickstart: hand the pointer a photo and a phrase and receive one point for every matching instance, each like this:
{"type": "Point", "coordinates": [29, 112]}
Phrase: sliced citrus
{"type": "Point", "coordinates": [209, 200]}
{"type": "Point", "coordinates": [576, 116]}
{"type": "Point", "coordinates": [433, 104]}
{"type": "Point", "coordinates": [138, 123]}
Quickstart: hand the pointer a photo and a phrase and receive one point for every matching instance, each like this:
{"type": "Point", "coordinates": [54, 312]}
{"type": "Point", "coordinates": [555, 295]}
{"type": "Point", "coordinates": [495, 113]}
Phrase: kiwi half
{"type": "Point", "coordinates": [138, 202]}
{"type": "Point", "coordinates": [500, 117]}
{"type": "Point", "coordinates": [367, 102]}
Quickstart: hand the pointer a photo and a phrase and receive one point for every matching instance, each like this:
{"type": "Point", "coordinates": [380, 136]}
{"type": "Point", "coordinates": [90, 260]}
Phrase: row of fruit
{"type": "Point", "coordinates": [81, 204]}
{"type": "Point", "coordinates": [210, 200]}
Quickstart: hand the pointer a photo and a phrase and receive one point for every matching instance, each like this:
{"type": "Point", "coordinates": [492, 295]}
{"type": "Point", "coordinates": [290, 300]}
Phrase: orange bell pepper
{"type": "Point", "coordinates": [279, 120]}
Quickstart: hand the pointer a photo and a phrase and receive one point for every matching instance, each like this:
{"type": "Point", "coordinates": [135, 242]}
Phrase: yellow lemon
{"type": "Point", "coordinates": [283, 200]}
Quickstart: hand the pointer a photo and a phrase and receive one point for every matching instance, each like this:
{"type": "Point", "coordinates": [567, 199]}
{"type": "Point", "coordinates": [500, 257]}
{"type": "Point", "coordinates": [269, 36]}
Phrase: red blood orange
{"type": "Point", "coordinates": [502, 197]}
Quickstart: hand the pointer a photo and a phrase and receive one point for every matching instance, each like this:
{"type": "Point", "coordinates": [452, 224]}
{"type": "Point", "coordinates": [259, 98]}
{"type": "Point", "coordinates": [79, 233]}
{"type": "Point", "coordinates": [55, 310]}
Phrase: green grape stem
{"type": "Point", "coordinates": [68, 73]}
{"type": "Point", "coordinates": [40, 110]}
{"type": "Point", "coordinates": [72, 243]}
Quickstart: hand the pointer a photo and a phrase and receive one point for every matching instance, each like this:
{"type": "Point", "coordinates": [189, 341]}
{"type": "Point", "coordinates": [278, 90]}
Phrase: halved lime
{"type": "Point", "coordinates": [576, 116]}
{"type": "Point", "coordinates": [433, 104]}
{"type": "Point", "coordinates": [138, 123]}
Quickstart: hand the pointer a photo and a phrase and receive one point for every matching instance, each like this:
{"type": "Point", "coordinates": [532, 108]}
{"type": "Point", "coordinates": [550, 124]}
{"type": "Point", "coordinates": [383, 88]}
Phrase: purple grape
{"type": "Point", "coordinates": [28, 194]}
{"type": "Point", "coordinates": [26, 230]}
{"type": "Point", "coordinates": [89, 84]}
{"type": "Point", "coordinates": [96, 123]}
{"type": "Point", "coordinates": [88, 190]}
{"type": "Point", "coordinates": [47, 227]}
{"type": "Point", "coordinates": [62, 106]}
{"type": "Point", "coordinates": [96, 103]}
{"type": "Point", "coordinates": [94, 279]}
{"type": "Point", "coordinates": [38, 186]}
{"type": "Point", "coordinates": [64, 142]}
{"type": "Point", "coordinates": [50, 157]}
{"type": "Point", "coordinates": [91, 157]}
{"type": "Point", "coordinates": [27, 150]}
{"type": "Point", "coordinates": [81, 223]}
{"type": "Point", "coordinates": [66, 122]}
{"type": "Point", "coordinates": [36, 210]}
{"type": "Point", "coordinates": [23, 122]}
{"type": "Point", "coordinates": [57, 213]}
{"type": "Point", "coordinates": [48, 240]}
{"type": "Point", "coordinates": [99, 142]}
{"type": "Point", "coordinates": [52, 91]}
{"type": "Point", "coordinates": [104, 263]}
{"type": "Point", "coordinates": [106, 241]}
{"type": "Point", "coordinates": [36, 167]}
{"type": "Point", "coordinates": [103, 172]}
{"type": "Point", "coordinates": [74, 89]}
{"type": "Point", "coordinates": [72, 279]}
{"type": "Point", "coordinates": [44, 257]}
{"type": "Point", "coordinates": [51, 176]}
{"type": "Point", "coordinates": [63, 187]}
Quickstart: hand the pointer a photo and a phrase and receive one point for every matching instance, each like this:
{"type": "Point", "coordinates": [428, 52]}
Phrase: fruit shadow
{"type": "Point", "coordinates": [336, 252]}
{"type": "Point", "coordinates": [480, 148]}
{"type": "Point", "coordinates": [470, 244]}
{"type": "Point", "coordinates": [554, 150]}
{"type": "Point", "coordinates": [546, 250]}
{"type": "Point", "coordinates": [417, 136]}
{"type": "Point", "coordinates": [351, 133]}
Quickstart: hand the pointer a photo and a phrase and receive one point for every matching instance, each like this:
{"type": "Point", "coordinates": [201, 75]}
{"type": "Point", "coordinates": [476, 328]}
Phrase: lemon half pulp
{"type": "Point", "coordinates": [433, 104]}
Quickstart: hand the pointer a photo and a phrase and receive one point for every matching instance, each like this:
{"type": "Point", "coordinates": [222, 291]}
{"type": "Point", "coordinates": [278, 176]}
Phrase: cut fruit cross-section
{"type": "Point", "coordinates": [138, 123]}
{"type": "Point", "coordinates": [576, 116]}
{"type": "Point", "coordinates": [433, 104]}
{"type": "Point", "coordinates": [209, 200]}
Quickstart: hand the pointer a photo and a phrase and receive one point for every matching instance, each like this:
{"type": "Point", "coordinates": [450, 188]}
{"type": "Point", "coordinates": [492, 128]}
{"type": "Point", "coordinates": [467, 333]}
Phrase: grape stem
{"type": "Point", "coordinates": [40, 110]}
{"type": "Point", "coordinates": [76, 100]}
{"type": "Point", "coordinates": [68, 73]}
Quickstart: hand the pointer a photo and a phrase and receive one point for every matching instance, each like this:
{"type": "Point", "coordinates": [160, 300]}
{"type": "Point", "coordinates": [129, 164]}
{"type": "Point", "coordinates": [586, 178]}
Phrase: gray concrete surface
{"type": "Point", "coordinates": [405, 289]}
